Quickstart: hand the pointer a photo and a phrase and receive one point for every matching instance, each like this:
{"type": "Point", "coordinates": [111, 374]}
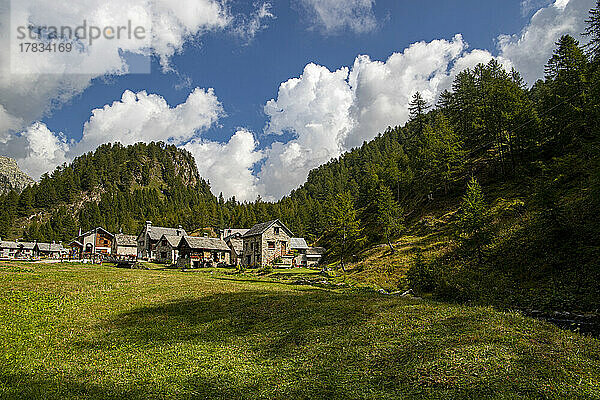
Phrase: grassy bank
{"type": "Point", "coordinates": [74, 331]}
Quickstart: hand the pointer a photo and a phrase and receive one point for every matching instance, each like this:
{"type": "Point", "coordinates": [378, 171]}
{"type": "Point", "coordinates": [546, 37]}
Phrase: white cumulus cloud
{"type": "Point", "coordinates": [37, 149]}
{"type": "Point", "coordinates": [530, 50]}
{"type": "Point", "coordinates": [228, 166]}
{"type": "Point", "coordinates": [143, 117]}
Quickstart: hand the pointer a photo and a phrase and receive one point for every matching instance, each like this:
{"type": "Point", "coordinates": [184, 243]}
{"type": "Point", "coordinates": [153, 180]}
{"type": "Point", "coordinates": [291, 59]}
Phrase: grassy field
{"type": "Point", "coordinates": [82, 331]}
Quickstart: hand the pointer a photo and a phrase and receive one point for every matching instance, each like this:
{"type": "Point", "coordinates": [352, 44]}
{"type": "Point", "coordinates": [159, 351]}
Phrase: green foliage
{"type": "Point", "coordinates": [420, 276]}
{"type": "Point", "coordinates": [473, 219]}
{"type": "Point", "coordinates": [344, 226]}
{"type": "Point", "coordinates": [389, 215]}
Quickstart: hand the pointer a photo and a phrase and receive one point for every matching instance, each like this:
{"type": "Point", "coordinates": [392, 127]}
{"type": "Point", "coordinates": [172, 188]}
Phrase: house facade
{"type": "Point", "coordinates": [49, 250]}
{"type": "Point", "coordinates": [125, 246]}
{"type": "Point", "coordinates": [167, 250]}
{"type": "Point", "coordinates": [149, 237]}
{"type": "Point", "coordinates": [95, 242]}
{"type": "Point", "coordinates": [197, 252]}
{"type": "Point", "coordinates": [8, 249]}
{"type": "Point", "coordinates": [266, 243]}
{"type": "Point", "coordinates": [24, 250]}
{"type": "Point", "coordinates": [310, 257]}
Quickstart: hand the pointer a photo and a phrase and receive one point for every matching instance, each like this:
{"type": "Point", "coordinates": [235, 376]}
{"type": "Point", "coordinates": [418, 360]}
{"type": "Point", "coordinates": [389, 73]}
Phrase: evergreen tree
{"type": "Point", "coordinates": [473, 218]}
{"type": "Point", "coordinates": [417, 109]}
{"type": "Point", "coordinates": [389, 215]}
{"type": "Point", "coordinates": [344, 226]}
{"type": "Point", "coordinates": [593, 31]}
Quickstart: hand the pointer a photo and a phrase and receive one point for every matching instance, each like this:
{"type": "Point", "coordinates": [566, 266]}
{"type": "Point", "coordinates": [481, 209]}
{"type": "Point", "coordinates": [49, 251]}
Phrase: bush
{"type": "Point", "coordinates": [421, 276]}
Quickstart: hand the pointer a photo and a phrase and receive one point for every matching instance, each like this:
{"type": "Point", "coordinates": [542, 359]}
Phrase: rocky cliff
{"type": "Point", "coordinates": [11, 177]}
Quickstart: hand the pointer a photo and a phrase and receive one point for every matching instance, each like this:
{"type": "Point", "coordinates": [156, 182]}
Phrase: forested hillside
{"type": "Point", "coordinates": [506, 176]}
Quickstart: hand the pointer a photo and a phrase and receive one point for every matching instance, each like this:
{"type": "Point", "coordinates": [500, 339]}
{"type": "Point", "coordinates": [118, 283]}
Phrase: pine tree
{"type": "Point", "coordinates": [593, 31]}
{"type": "Point", "coordinates": [344, 226]}
{"type": "Point", "coordinates": [474, 218]}
{"type": "Point", "coordinates": [417, 109]}
{"type": "Point", "coordinates": [389, 215]}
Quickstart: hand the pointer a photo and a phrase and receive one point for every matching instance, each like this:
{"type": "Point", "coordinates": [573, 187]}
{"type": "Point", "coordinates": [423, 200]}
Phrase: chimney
{"type": "Point", "coordinates": [148, 225]}
{"type": "Point", "coordinates": [179, 230]}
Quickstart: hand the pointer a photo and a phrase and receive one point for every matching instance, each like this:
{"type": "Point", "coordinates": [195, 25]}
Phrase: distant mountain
{"type": "Point", "coordinates": [11, 176]}
{"type": "Point", "coordinates": [117, 187]}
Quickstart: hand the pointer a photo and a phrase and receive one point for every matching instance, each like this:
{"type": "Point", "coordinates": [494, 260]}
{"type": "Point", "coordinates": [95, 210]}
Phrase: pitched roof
{"type": "Point", "coordinates": [298, 243]}
{"type": "Point", "coordinates": [125, 240]}
{"type": "Point", "coordinates": [261, 228]}
{"type": "Point", "coordinates": [205, 243]}
{"type": "Point", "coordinates": [26, 245]}
{"type": "Point", "coordinates": [315, 251]}
{"type": "Point", "coordinates": [228, 232]}
{"type": "Point", "coordinates": [50, 247]}
{"type": "Point", "coordinates": [173, 240]}
{"type": "Point", "coordinates": [156, 232]}
{"type": "Point", "coordinates": [94, 231]}
{"type": "Point", "coordinates": [237, 244]}
{"type": "Point", "coordinates": [8, 245]}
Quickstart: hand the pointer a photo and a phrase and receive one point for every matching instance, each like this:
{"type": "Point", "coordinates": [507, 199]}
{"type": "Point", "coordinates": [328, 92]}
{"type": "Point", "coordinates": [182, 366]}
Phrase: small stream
{"type": "Point", "coordinates": [588, 324]}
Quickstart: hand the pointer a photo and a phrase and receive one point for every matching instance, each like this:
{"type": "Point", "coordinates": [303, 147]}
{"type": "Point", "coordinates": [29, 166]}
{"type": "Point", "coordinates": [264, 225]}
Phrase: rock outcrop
{"type": "Point", "coordinates": [11, 176]}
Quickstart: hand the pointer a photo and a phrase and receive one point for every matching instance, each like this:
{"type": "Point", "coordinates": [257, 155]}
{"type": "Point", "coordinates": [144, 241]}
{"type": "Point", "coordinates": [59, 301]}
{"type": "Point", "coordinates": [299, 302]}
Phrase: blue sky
{"type": "Point", "coordinates": [246, 74]}
{"type": "Point", "coordinates": [261, 92]}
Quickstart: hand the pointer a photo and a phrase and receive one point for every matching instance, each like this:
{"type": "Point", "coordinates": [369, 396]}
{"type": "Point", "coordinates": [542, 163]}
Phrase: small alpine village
{"type": "Point", "coordinates": [265, 244]}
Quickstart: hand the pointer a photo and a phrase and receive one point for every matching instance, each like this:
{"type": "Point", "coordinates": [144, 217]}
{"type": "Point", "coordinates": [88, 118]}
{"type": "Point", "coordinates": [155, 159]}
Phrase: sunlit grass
{"type": "Point", "coordinates": [72, 331]}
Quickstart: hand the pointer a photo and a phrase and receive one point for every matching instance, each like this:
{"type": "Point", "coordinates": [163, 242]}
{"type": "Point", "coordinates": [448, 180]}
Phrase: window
{"type": "Point", "coordinates": [271, 245]}
{"type": "Point", "coordinates": [276, 230]}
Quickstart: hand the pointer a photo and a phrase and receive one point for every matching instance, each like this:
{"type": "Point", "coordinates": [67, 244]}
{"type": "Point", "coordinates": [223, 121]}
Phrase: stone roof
{"type": "Point", "coordinates": [228, 232]}
{"type": "Point", "coordinates": [236, 244]}
{"type": "Point", "coordinates": [26, 245]}
{"type": "Point", "coordinates": [298, 243]}
{"type": "Point", "coordinates": [173, 240]}
{"type": "Point", "coordinates": [205, 243]}
{"type": "Point", "coordinates": [156, 232]}
{"type": "Point", "coordinates": [9, 245]}
{"type": "Point", "coordinates": [125, 240]}
{"type": "Point", "coordinates": [315, 251]}
{"type": "Point", "coordinates": [261, 228]}
{"type": "Point", "coordinates": [95, 230]}
{"type": "Point", "coordinates": [50, 247]}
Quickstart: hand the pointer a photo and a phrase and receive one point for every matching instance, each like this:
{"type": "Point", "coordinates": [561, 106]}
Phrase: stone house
{"type": "Point", "coordinates": [267, 243]}
{"type": "Point", "coordinates": [97, 241]}
{"type": "Point", "coordinates": [167, 250]}
{"type": "Point", "coordinates": [24, 250]}
{"type": "Point", "coordinates": [49, 250]}
{"type": "Point", "coordinates": [149, 237]}
{"type": "Point", "coordinates": [197, 252]}
{"type": "Point", "coordinates": [313, 256]}
{"type": "Point", "coordinates": [125, 246]}
{"type": "Point", "coordinates": [7, 249]}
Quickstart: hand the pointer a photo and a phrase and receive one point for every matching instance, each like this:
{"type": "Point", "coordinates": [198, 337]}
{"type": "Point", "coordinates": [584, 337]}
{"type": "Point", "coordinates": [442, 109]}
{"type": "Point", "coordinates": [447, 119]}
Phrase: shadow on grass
{"type": "Point", "coordinates": [314, 344]}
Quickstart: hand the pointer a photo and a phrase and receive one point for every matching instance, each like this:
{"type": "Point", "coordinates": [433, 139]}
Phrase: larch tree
{"type": "Point", "coordinates": [344, 226]}
{"type": "Point", "coordinates": [389, 215]}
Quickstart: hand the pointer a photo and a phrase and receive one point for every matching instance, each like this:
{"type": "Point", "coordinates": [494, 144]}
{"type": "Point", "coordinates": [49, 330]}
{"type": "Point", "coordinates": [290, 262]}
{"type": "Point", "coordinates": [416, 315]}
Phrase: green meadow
{"type": "Point", "coordinates": [71, 331]}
